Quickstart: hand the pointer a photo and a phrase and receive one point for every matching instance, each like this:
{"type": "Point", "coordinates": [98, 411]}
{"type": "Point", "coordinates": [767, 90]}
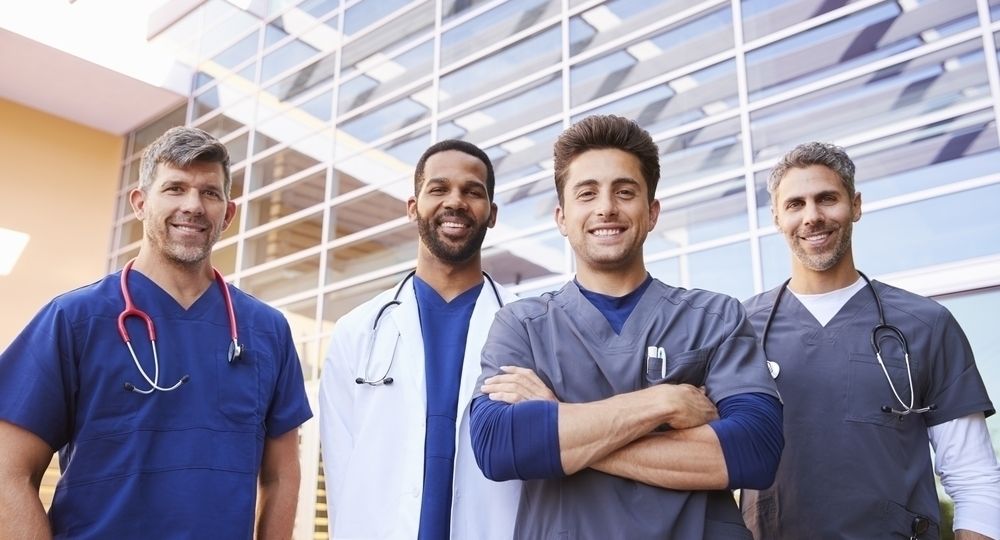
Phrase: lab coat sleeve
{"type": "Point", "coordinates": [967, 465]}
{"type": "Point", "coordinates": [336, 408]}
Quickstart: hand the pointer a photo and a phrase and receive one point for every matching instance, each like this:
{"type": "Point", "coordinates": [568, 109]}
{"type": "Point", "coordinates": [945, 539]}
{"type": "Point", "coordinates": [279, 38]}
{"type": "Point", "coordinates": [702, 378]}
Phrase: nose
{"type": "Point", "coordinates": [191, 202]}
{"type": "Point", "coordinates": [811, 214]}
{"type": "Point", "coordinates": [607, 206]}
{"type": "Point", "coordinates": [455, 200]}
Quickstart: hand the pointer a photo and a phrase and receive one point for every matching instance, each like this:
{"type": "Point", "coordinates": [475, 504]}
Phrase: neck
{"type": "Point", "coordinates": [447, 279]}
{"type": "Point", "coordinates": [807, 281]}
{"type": "Point", "coordinates": [184, 283]}
{"type": "Point", "coordinates": [612, 282]}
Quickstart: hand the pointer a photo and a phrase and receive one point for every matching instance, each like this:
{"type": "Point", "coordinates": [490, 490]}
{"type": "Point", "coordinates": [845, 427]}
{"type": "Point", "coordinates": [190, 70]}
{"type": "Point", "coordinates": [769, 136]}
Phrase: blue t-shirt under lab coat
{"type": "Point", "coordinates": [444, 327]}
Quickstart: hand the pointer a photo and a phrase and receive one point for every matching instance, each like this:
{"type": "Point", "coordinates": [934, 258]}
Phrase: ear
{"type": "Point", "coordinates": [560, 220]}
{"type": "Point", "coordinates": [654, 213]}
{"type": "Point", "coordinates": [230, 214]}
{"type": "Point", "coordinates": [411, 208]}
{"type": "Point", "coordinates": [856, 207]}
{"type": "Point", "coordinates": [137, 198]}
{"type": "Point", "coordinates": [493, 215]}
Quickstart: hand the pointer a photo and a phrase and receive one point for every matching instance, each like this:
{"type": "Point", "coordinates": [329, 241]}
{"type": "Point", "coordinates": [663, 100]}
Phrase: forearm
{"type": "Point", "coordinates": [589, 432]}
{"type": "Point", "coordinates": [963, 534]}
{"type": "Point", "coordinates": [278, 501]}
{"type": "Point", "coordinates": [22, 516]}
{"type": "Point", "coordinates": [689, 459]}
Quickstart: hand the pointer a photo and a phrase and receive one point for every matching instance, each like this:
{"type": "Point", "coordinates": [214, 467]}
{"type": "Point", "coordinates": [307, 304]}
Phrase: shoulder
{"type": "Point", "coordinates": [699, 302]}
{"type": "Point", "coordinates": [539, 307]}
{"type": "Point", "coordinates": [100, 297]}
{"type": "Point", "coordinates": [905, 303]}
{"type": "Point", "coordinates": [760, 303]}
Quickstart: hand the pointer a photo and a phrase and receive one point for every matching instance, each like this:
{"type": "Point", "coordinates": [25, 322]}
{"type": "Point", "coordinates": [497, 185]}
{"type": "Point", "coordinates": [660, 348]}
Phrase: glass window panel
{"type": "Point", "coordinates": [451, 9]}
{"type": "Point", "coordinates": [288, 161]}
{"type": "Point", "coordinates": [131, 231]}
{"type": "Point", "coordinates": [538, 256]}
{"type": "Point", "coordinates": [391, 161]}
{"type": "Point", "coordinates": [231, 95]}
{"type": "Point", "coordinates": [238, 147]}
{"type": "Point", "coordinates": [223, 24]}
{"type": "Point", "coordinates": [947, 78]}
{"type": "Point", "coordinates": [705, 214]}
{"type": "Point", "coordinates": [338, 303]}
{"type": "Point", "coordinates": [372, 209]}
{"type": "Point", "coordinates": [304, 193]}
{"type": "Point", "coordinates": [924, 233]}
{"type": "Point", "coordinates": [381, 75]}
{"type": "Point", "coordinates": [776, 265]}
{"type": "Point", "coordinates": [616, 18]}
{"type": "Point", "coordinates": [366, 12]}
{"type": "Point", "coordinates": [493, 26]}
{"type": "Point", "coordinates": [946, 152]}
{"type": "Point", "coordinates": [149, 133]}
{"type": "Point", "coordinates": [288, 279]}
{"type": "Point", "coordinates": [700, 153]}
{"type": "Point", "coordinates": [666, 270]}
{"type": "Point", "coordinates": [303, 80]}
{"type": "Point", "coordinates": [507, 113]}
{"type": "Point", "coordinates": [294, 122]}
{"type": "Point", "coordinates": [224, 258]}
{"type": "Point", "coordinates": [236, 190]}
{"type": "Point", "coordinates": [725, 269]}
{"type": "Point", "coordinates": [518, 60]}
{"type": "Point", "coordinates": [526, 207]}
{"type": "Point", "coordinates": [285, 57]}
{"type": "Point", "coordinates": [372, 252]}
{"type": "Point", "coordinates": [285, 240]}
{"type": "Point", "coordinates": [388, 117]}
{"type": "Point", "coordinates": [976, 313]}
{"type": "Point", "coordinates": [869, 35]}
{"type": "Point", "coordinates": [680, 101]}
{"type": "Point", "coordinates": [650, 56]}
{"type": "Point", "coordinates": [220, 125]}
{"type": "Point", "coordinates": [301, 317]}
{"type": "Point", "coordinates": [525, 155]}
{"type": "Point", "coordinates": [367, 51]}
{"type": "Point", "coordinates": [762, 17]}
{"type": "Point", "coordinates": [238, 53]}
{"type": "Point", "coordinates": [125, 257]}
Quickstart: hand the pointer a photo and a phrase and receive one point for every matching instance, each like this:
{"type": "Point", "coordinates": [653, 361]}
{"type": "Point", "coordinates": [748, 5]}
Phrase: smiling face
{"type": "Point", "coordinates": [814, 212]}
{"type": "Point", "coordinates": [452, 208]}
{"type": "Point", "coordinates": [606, 213]}
{"type": "Point", "coordinates": [183, 212]}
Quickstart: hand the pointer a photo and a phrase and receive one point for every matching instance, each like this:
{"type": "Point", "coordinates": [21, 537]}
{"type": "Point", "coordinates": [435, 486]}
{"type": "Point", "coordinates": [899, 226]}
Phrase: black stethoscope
{"type": "Point", "coordinates": [131, 311]}
{"type": "Point", "coordinates": [385, 378]}
{"type": "Point", "coordinates": [888, 331]}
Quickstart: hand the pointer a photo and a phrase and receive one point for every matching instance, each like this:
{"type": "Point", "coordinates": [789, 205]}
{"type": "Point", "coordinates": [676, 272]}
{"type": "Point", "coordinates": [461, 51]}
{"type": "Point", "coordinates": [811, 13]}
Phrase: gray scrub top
{"type": "Point", "coordinates": [848, 469]}
{"type": "Point", "coordinates": [706, 340]}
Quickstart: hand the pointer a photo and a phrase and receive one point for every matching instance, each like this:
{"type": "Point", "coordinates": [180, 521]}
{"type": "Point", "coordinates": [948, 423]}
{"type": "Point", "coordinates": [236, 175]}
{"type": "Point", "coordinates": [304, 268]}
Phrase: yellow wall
{"type": "Point", "coordinates": [58, 182]}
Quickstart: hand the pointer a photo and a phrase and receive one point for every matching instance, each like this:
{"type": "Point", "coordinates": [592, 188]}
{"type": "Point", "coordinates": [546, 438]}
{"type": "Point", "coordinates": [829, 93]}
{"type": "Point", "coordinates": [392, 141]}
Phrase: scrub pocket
{"type": "Point", "coordinates": [239, 385]}
{"type": "Point", "coordinates": [898, 520]}
{"type": "Point", "coordinates": [688, 367]}
{"type": "Point", "coordinates": [868, 390]}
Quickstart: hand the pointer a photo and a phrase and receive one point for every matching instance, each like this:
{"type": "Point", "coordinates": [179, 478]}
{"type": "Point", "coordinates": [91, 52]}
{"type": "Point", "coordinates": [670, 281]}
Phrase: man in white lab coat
{"type": "Point", "coordinates": [401, 371]}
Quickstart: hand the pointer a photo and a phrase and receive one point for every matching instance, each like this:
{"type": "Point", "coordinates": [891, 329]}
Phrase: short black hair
{"type": "Point", "coordinates": [461, 146]}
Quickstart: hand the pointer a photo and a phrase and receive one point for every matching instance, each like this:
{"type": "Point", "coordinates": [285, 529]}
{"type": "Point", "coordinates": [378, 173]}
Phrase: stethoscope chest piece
{"type": "Point", "coordinates": [774, 368]}
{"type": "Point", "coordinates": [235, 350]}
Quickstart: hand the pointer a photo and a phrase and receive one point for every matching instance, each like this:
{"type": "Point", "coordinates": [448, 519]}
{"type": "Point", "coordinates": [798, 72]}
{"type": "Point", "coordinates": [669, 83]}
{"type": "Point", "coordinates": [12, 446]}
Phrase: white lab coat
{"type": "Point", "coordinates": [373, 436]}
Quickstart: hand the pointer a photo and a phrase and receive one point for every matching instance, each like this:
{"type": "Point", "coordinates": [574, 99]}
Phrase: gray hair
{"type": "Point", "coordinates": [805, 155]}
{"type": "Point", "coordinates": [179, 147]}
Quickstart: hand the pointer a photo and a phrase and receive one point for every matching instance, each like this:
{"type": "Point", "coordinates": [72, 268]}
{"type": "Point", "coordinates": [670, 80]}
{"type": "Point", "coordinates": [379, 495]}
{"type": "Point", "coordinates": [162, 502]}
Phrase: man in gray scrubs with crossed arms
{"type": "Point", "coordinates": [857, 463]}
{"type": "Point", "coordinates": [630, 406]}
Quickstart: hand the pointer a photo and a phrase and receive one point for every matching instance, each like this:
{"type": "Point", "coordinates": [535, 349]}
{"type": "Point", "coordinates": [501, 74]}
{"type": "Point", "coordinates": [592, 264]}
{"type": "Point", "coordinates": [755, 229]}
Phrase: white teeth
{"type": "Point", "coordinates": [452, 225]}
{"type": "Point", "coordinates": [606, 232]}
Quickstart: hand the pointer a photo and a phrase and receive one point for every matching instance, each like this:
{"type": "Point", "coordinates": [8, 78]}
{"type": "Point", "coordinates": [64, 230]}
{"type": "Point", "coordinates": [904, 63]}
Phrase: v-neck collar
{"type": "Point", "coordinates": [148, 296]}
{"type": "Point", "coordinates": [588, 317]}
{"type": "Point", "coordinates": [857, 305]}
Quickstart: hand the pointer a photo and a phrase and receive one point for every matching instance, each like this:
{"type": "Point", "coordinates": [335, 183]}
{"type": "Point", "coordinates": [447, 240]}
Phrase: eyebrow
{"type": "Point", "coordinates": [614, 183]}
{"type": "Point", "coordinates": [816, 195]}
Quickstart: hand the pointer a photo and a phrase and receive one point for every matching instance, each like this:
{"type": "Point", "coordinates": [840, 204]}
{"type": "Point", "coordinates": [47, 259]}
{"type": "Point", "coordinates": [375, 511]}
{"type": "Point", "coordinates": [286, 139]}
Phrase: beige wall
{"type": "Point", "coordinates": [58, 182]}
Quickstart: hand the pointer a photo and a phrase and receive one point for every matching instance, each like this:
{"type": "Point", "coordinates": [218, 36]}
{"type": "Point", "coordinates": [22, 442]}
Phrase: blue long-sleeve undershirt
{"type": "Point", "coordinates": [521, 441]}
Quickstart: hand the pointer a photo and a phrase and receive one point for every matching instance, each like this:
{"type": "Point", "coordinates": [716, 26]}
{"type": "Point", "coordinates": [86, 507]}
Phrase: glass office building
{"type": "Point", "coordinates": [327, 104]}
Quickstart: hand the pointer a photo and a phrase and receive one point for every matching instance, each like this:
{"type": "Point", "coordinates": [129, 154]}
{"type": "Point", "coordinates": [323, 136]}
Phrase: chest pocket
{"type": "Point", "coordinates": [687, 367]}
{"type": "Point", "coordinates": [239, 385]}
{"type": "Point", "coordinates": [868, 390]}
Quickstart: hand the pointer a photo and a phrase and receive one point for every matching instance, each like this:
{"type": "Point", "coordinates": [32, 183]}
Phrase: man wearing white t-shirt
{"type": "Point", "coordinates": [869, 374]}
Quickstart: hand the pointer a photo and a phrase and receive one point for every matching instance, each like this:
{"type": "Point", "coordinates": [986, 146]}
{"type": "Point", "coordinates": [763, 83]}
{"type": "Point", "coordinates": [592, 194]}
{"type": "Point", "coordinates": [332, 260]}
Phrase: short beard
{"type": "Point", "coordinates": [446, 252]}
{"type": "Point", "coordinates": [826, 261]}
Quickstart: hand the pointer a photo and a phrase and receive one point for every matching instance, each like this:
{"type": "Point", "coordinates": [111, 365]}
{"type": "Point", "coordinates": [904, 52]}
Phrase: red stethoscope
{"type": "Point", "coordinates": [131, 311]}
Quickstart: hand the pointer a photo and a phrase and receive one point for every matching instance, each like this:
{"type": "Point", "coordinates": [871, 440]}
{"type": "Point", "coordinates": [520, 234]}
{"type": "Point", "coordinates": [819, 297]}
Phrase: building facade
{"type": "Point", "coordinates": [327, 104]}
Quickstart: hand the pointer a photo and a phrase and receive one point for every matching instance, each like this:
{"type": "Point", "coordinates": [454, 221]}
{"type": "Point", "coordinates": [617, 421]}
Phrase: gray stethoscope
{"type": "Point", "coordinates": [888, 332]}
{"type": "Point", "coordinates": [385, 378]}
{"type": "Point", "coordinates": [131, 311]}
